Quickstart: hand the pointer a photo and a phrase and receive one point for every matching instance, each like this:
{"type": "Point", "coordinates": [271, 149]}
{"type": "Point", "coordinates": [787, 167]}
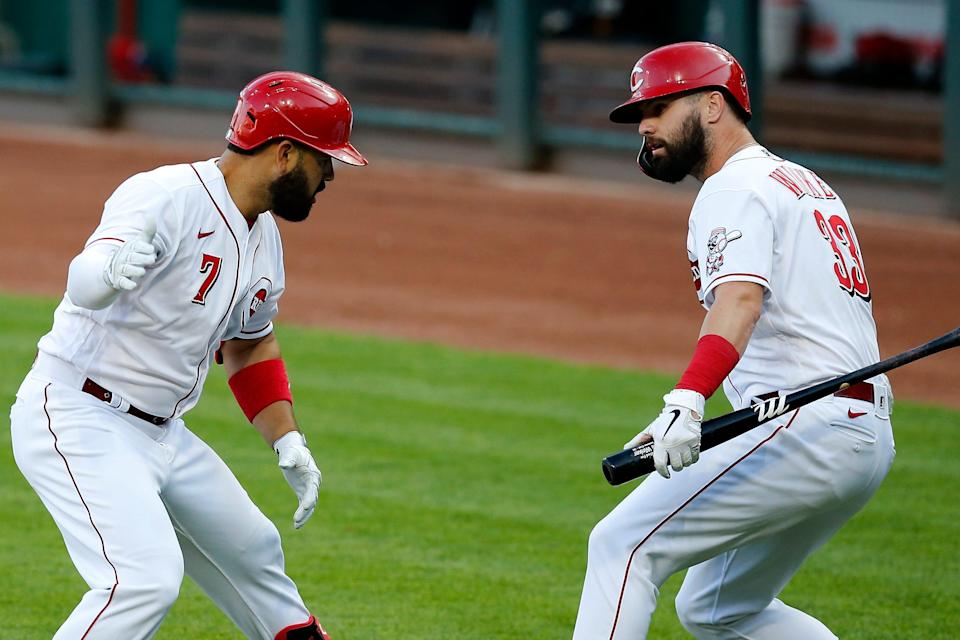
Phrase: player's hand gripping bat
{"type": "Point", "coordinates": [636, 462]}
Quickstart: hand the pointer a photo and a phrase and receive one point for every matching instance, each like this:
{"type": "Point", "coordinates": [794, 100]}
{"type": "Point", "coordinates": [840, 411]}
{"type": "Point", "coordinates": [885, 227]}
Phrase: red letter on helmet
{"type": "Point", "coordinates": [286, 104]}
{"type": "Point", "coordinates": [682, 67]}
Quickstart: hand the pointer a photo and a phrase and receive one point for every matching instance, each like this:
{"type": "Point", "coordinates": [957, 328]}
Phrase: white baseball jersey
{"type": "Point", "coordinates": [216, 278]}
{"type": "Point", "coordinates": [743, 518]}
{"type": "Point", "coordinates": [766, 220]}
{"type": "Point", "coordinates": [139, 504]}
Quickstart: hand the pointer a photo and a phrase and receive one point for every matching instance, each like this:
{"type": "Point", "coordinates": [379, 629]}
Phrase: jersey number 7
{"type": "Point", "coordinates": [848, 265]}
{"type": "Point", "coordinates": [209, 265]}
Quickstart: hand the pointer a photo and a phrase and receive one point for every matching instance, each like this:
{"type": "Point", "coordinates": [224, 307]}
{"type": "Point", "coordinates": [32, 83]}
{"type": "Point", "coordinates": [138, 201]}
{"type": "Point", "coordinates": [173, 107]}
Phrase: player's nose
{"type": "Point", "coordinates": [645, 127]}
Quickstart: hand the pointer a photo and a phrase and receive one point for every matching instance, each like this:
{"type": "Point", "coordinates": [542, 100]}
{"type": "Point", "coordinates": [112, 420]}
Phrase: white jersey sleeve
{"type": "Point", "coordinates": [730, 239]}
{"type": "Point", "coordinates": [255, 310]}
{"type": "Point", "coordinates": [125, 214]}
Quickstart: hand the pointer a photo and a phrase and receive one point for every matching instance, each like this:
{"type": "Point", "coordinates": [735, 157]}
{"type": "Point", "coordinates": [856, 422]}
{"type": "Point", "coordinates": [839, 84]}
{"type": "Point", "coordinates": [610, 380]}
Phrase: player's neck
{"type": "Point", "coordinates": [723, 148]}
{"type": "Point", "coordinates": [247, 195]}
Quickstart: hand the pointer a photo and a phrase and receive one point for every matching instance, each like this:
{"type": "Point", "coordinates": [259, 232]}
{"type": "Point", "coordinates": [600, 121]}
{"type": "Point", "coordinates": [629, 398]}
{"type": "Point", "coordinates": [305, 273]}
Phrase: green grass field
{"type": "Point", "coordinates": [459, 489]}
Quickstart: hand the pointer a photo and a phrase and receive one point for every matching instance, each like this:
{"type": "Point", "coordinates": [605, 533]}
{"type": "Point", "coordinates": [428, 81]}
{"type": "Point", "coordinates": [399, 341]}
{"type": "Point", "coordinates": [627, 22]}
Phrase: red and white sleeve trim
{"type": "Point", "coordinates": [105, 239]}
{"type": "Point", "coordinates": [253, 334]}
{"type": "Point", "coordinates": [734, 277]}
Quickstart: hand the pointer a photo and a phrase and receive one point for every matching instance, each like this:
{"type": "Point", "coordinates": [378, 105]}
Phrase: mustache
{"type": "Point", "coordinates": [650, 143]}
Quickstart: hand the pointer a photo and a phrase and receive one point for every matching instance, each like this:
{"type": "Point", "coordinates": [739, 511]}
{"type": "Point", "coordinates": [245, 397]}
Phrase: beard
{"type": "Point", "coordinates": [288, 195]}
{"type": "Point", "coordinates": [687, 156]}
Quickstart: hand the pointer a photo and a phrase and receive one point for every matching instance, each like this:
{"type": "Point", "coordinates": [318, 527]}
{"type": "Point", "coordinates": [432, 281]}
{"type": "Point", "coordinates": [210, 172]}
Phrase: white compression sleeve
{"type": "Point", "coordinates": [86, 286]}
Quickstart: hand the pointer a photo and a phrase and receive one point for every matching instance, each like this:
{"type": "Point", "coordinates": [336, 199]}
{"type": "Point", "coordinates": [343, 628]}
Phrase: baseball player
{"type": "Point", "coordinates": [186, 263]}
{"type": "Point", "coordinates": [777, 266]}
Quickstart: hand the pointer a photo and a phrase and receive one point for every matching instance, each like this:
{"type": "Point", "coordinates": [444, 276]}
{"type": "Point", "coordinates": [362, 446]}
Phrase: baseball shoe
{"type": "Point", "coordinates": [309, 630]}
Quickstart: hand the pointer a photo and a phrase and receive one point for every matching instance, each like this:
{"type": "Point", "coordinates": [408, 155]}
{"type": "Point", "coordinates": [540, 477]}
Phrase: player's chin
{"type": "Point", "coordinates": [665, 171]}
{"type": "Point", "coordinates": [291, 214]}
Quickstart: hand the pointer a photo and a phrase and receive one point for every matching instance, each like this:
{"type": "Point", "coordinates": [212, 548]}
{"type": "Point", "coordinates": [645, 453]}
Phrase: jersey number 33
{"type": "Point", "coordinates": [848, 265]}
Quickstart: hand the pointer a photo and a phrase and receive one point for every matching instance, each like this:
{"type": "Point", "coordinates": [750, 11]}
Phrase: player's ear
{"type": "Point", "coordinates": [714, 105]}
{"type": "Point", "coordinates": [286, 155]}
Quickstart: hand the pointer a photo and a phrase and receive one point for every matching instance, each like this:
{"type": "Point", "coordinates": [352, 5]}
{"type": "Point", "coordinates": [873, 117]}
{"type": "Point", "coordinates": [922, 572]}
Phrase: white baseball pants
{"type": "Point", "coordinates": [743, 519]}
{"type": "Point", "coordinates": [139, 505]}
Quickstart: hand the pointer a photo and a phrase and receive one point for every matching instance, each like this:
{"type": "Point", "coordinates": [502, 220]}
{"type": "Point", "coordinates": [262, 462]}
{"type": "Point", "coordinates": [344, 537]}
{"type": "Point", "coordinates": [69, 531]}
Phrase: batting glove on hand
{"type": "Point", "coordinates": [127, 265]}
{"type": "Point", "coordinates": [301, 473]}
{"type": "Point", "coordinates": [675, 432]}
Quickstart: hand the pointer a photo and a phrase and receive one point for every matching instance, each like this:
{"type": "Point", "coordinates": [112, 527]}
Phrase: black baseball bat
{"type": "Point", "coordinates": [628, 464]}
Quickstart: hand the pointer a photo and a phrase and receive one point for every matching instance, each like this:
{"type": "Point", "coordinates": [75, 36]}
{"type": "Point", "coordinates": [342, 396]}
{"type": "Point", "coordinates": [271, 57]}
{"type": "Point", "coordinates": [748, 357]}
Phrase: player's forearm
{"type": "Point", "coordinates": [723, 337]}
{"type": "Point", "coordinates": [734, 313]}
{"type": "Point", "coordinates": [259, 382]}
{"type": "Point", "coordinates": [239, 354]}
{"type": "Point", "coordinates": [86, 286]}
{"type": "Point", "coordinates": [275, 420]}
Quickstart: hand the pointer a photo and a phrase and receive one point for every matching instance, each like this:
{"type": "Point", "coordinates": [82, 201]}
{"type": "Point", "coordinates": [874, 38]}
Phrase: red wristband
{"type": "Point", "coordinates": [259, 385]}
{"type": "Point", "coordinates": [713, 359]}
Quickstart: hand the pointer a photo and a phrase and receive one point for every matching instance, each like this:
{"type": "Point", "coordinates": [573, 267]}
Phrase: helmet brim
{"type": "Point", "coordinates": [629, 112]}
{"type": "Point", "coordinates": [346, 154]}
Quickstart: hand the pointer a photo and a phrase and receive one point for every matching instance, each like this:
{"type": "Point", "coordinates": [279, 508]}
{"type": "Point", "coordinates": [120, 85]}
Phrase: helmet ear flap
{"type": "Point", "coordinates": [645, 158]}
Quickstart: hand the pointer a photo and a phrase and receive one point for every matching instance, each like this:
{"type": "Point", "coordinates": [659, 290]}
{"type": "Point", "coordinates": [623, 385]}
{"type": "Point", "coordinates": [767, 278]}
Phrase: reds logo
{"type": "Point", "coordinates": [636, 78]}
{"type": "Point", "coordinates": [261, 290]}
{"type": "Point", "coordinates": [258, 299]}
{"type": "Point", "coordinates": [695, 272]}
{"type": "Point", "coordinates": [716, 244]}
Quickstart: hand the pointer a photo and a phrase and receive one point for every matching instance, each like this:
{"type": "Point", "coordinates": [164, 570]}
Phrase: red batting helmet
{"type": "Point", "coordinates": [682, 67]}
{"type": "Point", "coordinates": [286, 104]}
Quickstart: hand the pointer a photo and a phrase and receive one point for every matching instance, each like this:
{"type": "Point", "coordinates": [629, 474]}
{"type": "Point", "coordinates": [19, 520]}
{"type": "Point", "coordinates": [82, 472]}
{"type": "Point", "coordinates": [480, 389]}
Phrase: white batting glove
{"type": "Point", "coordinates": [301, 473]}
{"type": "Point", "coordinates": [128, 264]}
{"type": "Point", "coordinates": [675, 432]}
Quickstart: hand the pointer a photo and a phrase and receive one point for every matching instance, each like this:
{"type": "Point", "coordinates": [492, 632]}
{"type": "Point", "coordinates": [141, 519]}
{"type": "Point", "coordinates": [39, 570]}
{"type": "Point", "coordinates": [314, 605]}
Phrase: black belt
{"type": "Point", "coordinates": [98, 392]}
{"type": "Point", "coordinates": [860, 391]}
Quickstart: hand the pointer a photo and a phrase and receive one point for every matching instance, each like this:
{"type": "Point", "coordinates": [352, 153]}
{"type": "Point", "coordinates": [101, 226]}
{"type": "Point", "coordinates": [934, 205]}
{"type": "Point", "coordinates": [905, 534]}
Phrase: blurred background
{"type": "Point", "coordinates": [855, 88]}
